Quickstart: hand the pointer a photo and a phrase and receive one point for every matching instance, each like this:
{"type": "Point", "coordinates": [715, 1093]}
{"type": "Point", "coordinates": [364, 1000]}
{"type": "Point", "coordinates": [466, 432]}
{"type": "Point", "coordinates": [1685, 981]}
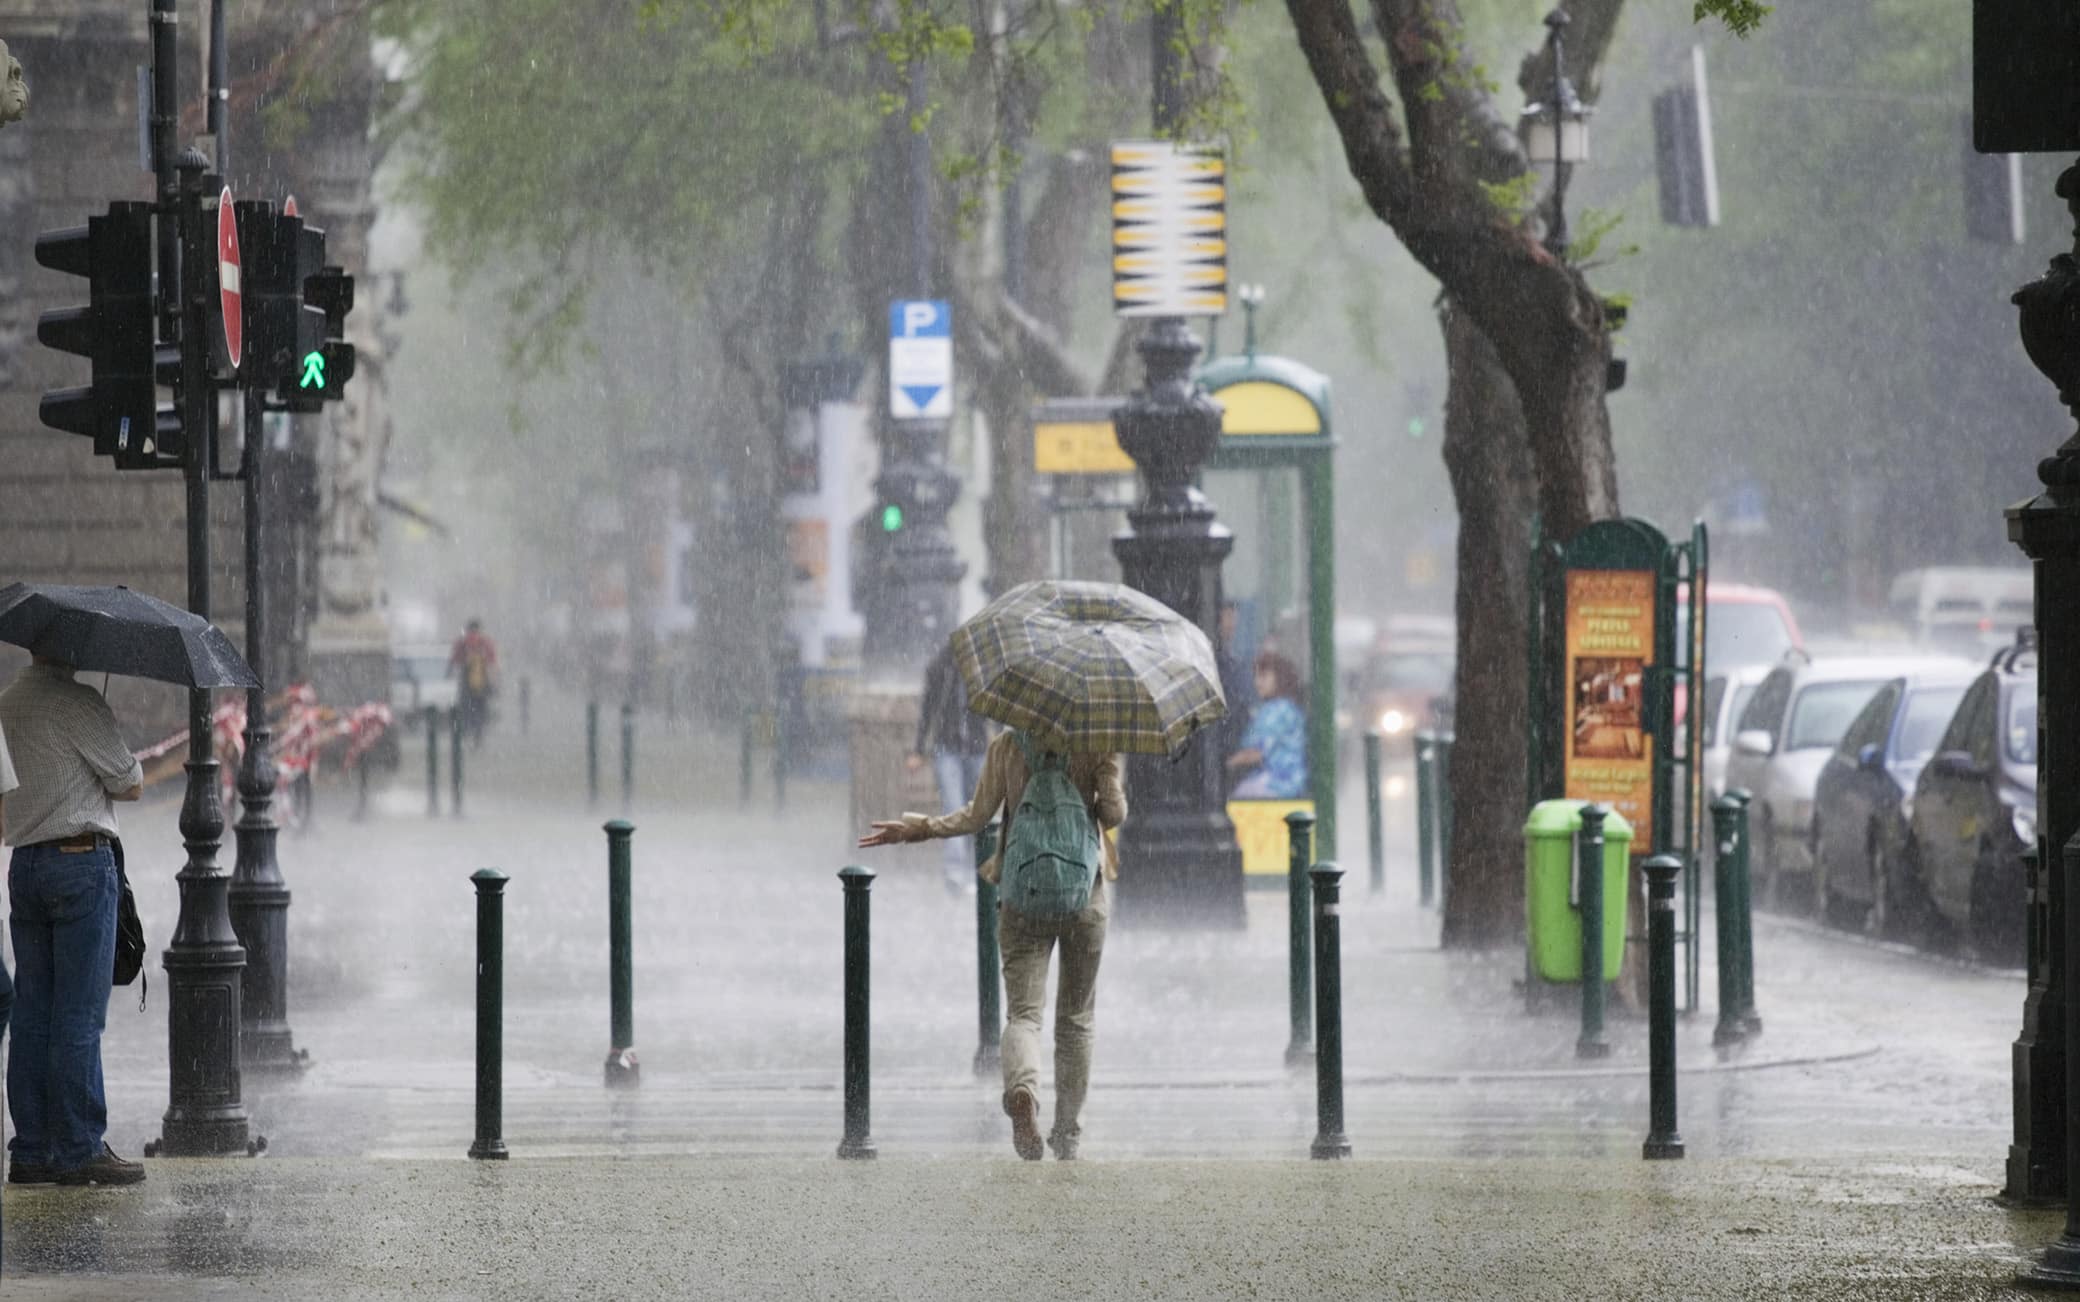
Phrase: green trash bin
{"type": "Point", "coordinates": [1551, 914]}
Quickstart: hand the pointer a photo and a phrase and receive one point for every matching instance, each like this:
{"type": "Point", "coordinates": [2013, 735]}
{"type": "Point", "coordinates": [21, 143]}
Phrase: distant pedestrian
{"type": "Point", "coordinates": [1025, 782]}
{"type": "Point", "coordinates": [62, 885]}
{"type": "Point", "coordinates": [474, 662]}
{"type": "Point", "coordinates": [954, 740]}
{"type": "Point", "coordinates": [1275, 746]}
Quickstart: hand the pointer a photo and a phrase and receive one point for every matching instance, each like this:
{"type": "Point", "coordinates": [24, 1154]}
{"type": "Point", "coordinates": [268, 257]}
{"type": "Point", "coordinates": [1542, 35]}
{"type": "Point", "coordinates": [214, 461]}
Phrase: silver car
{"type": "Point", "coordinates": [1790, 726]}
{"type": "Point", "coordinates": [1725, 697]}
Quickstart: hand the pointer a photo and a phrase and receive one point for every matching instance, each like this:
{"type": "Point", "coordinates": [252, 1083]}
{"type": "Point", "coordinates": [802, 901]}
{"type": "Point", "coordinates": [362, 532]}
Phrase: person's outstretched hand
{"type": "Point", "coordinates": [884, 834]}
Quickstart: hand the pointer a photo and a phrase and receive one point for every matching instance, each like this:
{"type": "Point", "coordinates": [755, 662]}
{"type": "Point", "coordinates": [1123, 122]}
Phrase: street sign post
{"type": "Point", "coordinates": [920, 359]}
{"type": "Point", "coordinates": [227, 280]}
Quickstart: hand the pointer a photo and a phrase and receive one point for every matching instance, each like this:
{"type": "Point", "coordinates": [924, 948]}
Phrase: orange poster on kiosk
{"type": "Point", "coordinates": [1610, 643]}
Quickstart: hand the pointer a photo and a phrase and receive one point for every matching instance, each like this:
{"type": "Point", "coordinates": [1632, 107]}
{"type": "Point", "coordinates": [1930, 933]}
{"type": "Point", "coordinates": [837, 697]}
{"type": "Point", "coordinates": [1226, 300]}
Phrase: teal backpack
{"type": "Point", "coordinates": [1051, 855]}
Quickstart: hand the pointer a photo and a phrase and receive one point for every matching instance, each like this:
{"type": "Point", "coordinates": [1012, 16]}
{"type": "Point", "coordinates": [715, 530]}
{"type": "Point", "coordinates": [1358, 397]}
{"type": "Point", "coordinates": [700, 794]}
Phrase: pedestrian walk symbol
{"type": "Point", "coordinates": [313, 371]}
{"type": "Point", "coordinates": [920, 359]}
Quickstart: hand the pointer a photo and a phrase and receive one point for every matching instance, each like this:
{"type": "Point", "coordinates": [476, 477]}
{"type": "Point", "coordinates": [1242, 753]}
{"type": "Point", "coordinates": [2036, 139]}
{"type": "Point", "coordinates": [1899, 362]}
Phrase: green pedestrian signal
{"type": "Point", "coordinates": [313, 371]}
{"type": "Point", "coordinates": [1415, 427]}
{"type": "Point", "coordinates": [891, 518]}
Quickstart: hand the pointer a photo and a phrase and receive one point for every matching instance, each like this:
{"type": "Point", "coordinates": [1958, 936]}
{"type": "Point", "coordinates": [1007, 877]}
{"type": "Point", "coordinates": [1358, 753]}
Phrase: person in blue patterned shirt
{"type": "Point", "coordinates": [1274, 748]}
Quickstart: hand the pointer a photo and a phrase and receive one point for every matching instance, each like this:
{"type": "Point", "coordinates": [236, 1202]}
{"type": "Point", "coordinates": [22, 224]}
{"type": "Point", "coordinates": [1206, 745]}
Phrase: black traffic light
{"type": "Point", "coordinates": [271, 293]}
{"type": "Point", "coordinates": [119, 408]}
{"type": "Point", "coordinates": [322, 361]}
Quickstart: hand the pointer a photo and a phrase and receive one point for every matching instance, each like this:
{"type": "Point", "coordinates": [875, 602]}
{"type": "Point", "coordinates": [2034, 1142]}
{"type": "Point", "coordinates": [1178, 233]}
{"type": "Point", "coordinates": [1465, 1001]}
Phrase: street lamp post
{"type": "Point", "coordinates": [205, 964]}
{"type": "Point", "coordinates": [1557, 131]}
{"type": "Point", "coordinates": [2047, 528]}
{"type": "Point", "coordinates": [1187, 867]}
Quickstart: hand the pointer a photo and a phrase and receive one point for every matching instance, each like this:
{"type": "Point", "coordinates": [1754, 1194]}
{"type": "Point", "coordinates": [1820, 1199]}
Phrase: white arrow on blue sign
{"type": "Point", "coordinates": [920, 359]}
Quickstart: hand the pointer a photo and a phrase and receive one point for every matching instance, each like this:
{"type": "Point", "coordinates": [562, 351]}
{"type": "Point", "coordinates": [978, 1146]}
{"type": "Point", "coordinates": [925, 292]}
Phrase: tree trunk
{"type": "Point", "coordinates": [1487, 454]}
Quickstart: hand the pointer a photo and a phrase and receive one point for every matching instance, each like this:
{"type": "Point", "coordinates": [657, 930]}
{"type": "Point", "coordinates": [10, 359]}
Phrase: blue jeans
{"type": "Point", "coordinates": [959, 773]}
{"type": "Point", "coordinates": [64, 929]}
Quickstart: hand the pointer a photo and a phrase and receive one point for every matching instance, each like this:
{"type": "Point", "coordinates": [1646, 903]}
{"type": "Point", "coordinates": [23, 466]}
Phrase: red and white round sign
{"type": "Point", "coordinates": [227, 279]}
{"type": "Point", "coordinates": [289, 206]}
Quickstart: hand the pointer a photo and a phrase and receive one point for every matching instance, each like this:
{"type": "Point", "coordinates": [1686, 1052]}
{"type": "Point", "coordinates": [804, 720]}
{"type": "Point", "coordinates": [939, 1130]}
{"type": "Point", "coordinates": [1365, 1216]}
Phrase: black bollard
{"type": "Point", "coordinates": [591, 753]}
{"type": "Point", "coordinates": [780, 758]}
{"type": "Point", "coordinates": [1725, 908]}
{"type": "Point", "coordinates": [858, 1143]}
{"type": "Point", "coordinates": [1329, 1139]}
{"type": "Point", "coordinates": [1426, 815]}
{"type": "Point", "coordinates": [491, 942]}
{"type": "Point", "coordinates": [622, 1068]}
{"type": "Point", "coordinates": [744, 745]}
{"type": "Point", "coordinates": [1375, 829]}
{"type": "Point", "coordinates": [433, 762]}
{"type": "Point", "coordinates": [628, 755]}
{"type": "Point", "coordinates": [1744, 915]}
{"type": "Point", "coordinates": [455, 761]}
{"type": "Point", "coordinates": [526, 703]}
{"type": "Point", "coordinates": [1589, 891]}
{"type": "Point", "coordinates": [1663, 1140]}
{"type": "Point", "coordinates": [361, 788]}
{"type": "Point", "coordinates": [1299, 854]}
{"type": "Point", "coordinates": [989, 1006]}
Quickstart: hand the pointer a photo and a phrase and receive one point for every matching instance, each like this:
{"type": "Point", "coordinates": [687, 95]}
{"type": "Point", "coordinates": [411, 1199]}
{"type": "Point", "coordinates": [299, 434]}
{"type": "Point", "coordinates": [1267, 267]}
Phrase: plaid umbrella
{"type": "Point", "coordinates": [1090, 667]}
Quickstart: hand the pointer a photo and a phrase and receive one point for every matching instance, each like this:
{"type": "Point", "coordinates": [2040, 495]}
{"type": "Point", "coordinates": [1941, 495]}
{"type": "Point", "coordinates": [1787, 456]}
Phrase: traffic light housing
{"type": "Point", "coordinates": [322, 361]}
{"type": "Point", "coordinates": [119, 407]}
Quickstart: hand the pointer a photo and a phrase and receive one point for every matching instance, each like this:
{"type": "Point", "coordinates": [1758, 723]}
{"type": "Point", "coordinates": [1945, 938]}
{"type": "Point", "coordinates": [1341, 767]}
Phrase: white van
{"type": "Point", "coordinates": [1967, 609]}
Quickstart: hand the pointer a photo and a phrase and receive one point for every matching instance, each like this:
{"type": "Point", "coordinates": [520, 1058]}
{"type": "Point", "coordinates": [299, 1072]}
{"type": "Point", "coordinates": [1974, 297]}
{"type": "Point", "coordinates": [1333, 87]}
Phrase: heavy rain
{"type": "Point", "coordinates": [936, 648]}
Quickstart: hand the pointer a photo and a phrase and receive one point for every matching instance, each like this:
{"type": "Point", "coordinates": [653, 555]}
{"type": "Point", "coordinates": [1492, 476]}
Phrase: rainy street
{"type": "Point", "coordinates": [945, 649]}
{"type": "Point", "coordinates": [1878, 1083]}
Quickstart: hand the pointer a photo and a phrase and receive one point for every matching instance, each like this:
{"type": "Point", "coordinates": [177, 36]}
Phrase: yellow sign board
{"type": "Point", "coordinates": [1078, 447]}
{"type": "Point", "coordinates": [1261, 832]}
{"type": "Point", "coordinates": [1256, 407]}
{"type": "Point", "coordinates": [1610, 646]}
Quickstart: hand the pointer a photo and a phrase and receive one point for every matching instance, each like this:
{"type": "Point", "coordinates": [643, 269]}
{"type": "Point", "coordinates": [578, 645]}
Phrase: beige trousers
{"type": "Point", "coordinates": [1026, 943]}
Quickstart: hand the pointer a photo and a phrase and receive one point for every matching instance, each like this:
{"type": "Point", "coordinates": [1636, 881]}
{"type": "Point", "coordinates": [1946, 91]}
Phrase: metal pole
{"type": "Point", "coordinates": [1663, 1141]}
{"type": "Point", "coordinates": [526, 703]}
{"type": "Point", "coordinates": [433, 761]}
{"type": "Point", "coordinates": [1375, 828]}
{"type": "Point", "coordinates": [628, 754]}
{"type": "Point", "coordinates": [1426, 814]}
{"type": "Point", "coordinates": [858, 1142]}
{"type": "Point", "coordinates": [491, 977]}
{"type": "Point", "coordinates": [2059, 1267]}
{"type": "Point", "coordinates": [622, 1068]}
{"type": "Point", "coordinates": [1443, 790]}
{"type": "Point", "coordinates": [744, 745]}
{"type": "Point", "coordinates": [1300, 854]}
{"type": "Point", "coordinates": [1744, 917]}
{"type": "Point", "coordinates": [455, 761]}
{"type": "Point", "coordinates": [591, 752]}
{"type": "Point", "coordinates": [989, 988]}
{"type": "Point", "coordinates": [258, 898]}
{"type": "Point", "coordinates": [205, 964]}
{"type": "Point", "coordinates": [1589, 875]}
{"type": "Point", "coordinates": [780, 758]}
{"type": "Point", "coordinates": [1726, 813]}
{"type": "Point", "coordinates": [1329, 1139]}
{"type": "Point", "coordinates": [1556, 239]}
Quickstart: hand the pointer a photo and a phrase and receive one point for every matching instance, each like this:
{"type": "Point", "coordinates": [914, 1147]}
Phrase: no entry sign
{"type": "Point", "coordinates": [227, 280]}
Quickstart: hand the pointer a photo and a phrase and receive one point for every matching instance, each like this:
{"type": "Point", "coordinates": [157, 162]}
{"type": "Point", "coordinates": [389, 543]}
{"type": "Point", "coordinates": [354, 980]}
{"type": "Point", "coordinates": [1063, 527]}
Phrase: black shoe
{"type": "Point", "coordinates": [1025, 1124]}
{"type": "Point", "coordinates": [105, 1169]}
{"type": "Point", "coordinates": [19, 1172]}
{"type": "Point", "coordinates": [1064, 1147]}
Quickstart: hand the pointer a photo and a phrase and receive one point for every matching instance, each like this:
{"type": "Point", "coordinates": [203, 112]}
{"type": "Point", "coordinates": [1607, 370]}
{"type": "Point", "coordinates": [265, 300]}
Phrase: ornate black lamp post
{"type": "Point", "coordinates": [205, 964]}
{"type": "Point", "coordinates": [1187, 867]}
{"type": "Point", "coordinates": [2047, 528]}
{"type": "Point", "coordinates": [1557, 132]}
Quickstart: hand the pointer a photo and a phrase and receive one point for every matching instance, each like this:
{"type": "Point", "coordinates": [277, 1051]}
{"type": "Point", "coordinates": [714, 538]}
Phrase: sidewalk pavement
{"type": "Point", "coordinates": [1847, 1152]}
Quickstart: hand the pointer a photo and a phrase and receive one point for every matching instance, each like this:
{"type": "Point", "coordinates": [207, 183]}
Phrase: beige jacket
{"type": "Point", "coordinates": [1004, 782]}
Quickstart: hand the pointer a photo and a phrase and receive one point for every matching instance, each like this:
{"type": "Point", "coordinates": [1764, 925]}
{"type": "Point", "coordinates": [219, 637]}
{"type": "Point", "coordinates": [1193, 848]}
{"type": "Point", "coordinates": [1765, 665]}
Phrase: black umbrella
{"type": "Point", "coordinates": [119, 631]}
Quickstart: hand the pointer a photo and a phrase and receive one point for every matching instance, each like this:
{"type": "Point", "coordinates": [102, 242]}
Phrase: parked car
{"type": "Point", "coordinates": [418, 678]}
{"type": "Point", "coordinates": [1864, 795]}
{"type": "Point", "coordinates": [1969, 609]}
{"type": "Point", "coordinates": [1793, 722]}
{"type": "Point", "coordinates": [1725, 696]}
{"type": "Point", "coordinates": [1743, 625]}
{"type": "Point", "coordinates": [1975, 812]}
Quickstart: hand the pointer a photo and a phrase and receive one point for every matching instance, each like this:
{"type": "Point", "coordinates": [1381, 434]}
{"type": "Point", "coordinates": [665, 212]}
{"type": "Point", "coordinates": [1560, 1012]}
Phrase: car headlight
{"type": "Point", "coordinates": [1393, 722]}
{"type": "Point", "coordinates": [2025, 825]}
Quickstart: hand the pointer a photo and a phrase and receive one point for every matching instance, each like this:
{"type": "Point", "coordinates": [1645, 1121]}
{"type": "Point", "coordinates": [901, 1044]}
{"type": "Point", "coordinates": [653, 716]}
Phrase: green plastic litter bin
{"type": "Point", "coordinates": [1552, 917]}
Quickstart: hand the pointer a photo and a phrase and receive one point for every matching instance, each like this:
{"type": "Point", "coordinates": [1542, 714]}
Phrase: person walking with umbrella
{"type": "Point", "coordinates": [1079, 673]}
